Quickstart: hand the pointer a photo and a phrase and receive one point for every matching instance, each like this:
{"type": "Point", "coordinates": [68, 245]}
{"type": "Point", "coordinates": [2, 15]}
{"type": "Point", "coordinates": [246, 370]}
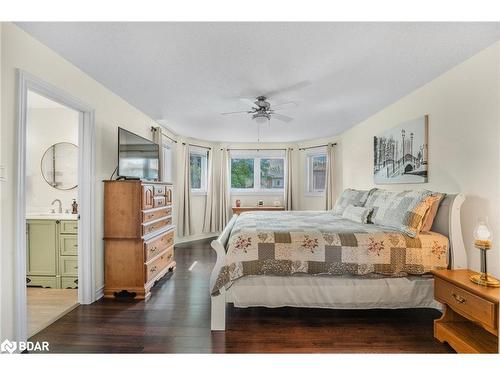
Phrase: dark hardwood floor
{"type": "Point", "coordinates": [176, 319]}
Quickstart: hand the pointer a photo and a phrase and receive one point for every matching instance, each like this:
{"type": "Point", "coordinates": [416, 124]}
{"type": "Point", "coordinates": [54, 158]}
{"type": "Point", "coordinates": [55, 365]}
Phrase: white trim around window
{"type": "Point", "coordinates": [204, 170]}
{"type": "Point", "coordinates": [309, 190]}
{"type": "Point", "coordinates": [256, 157]}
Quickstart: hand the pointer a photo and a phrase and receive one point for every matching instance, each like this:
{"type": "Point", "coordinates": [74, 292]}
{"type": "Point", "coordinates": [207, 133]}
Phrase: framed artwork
{"type": "Point", "coordinates": [401, 155]}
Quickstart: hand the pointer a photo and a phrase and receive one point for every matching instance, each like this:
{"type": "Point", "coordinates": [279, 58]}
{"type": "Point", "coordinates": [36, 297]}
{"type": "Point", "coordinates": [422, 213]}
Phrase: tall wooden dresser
{"type": "Point", "coordinates": [138, 236]}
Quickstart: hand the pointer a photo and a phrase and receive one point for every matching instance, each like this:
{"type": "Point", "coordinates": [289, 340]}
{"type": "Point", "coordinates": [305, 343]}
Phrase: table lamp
{"type": "Point", "coordinates": [482, 241]}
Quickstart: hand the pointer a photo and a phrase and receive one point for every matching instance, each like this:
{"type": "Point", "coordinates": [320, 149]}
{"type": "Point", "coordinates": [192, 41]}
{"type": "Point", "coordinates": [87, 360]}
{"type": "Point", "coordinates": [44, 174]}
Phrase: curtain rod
{"type": "Point", "coordinates": [256, 149]}
{"type": "Point", "coordinates": [191, 144]}
{"type": "Point", "coordinates": [175, 141]}
{"type": "Point", "coordinates": [307, 148]}
{"type": "Point", "coordinates": [153, 129]}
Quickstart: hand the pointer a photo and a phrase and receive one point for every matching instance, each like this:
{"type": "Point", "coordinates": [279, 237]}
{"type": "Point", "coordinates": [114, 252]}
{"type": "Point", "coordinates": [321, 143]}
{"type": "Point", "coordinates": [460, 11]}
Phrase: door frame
{"type": "Point", "coordinates": [86, 195]}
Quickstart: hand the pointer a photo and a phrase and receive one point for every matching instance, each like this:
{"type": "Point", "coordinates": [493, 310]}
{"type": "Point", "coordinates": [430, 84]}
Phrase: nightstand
{"type": "Point", "coordinates": [239, 210]}
{"type": "Point", "coordinates": [470, 318]}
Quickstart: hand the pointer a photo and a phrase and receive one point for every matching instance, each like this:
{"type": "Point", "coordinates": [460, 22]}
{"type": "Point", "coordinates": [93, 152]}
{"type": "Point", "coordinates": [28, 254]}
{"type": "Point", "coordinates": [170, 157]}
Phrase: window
{"type": "Point", "coordinates": [198, 171]}
{"type": "Point", "coordinates": [316, 172]}
{"type": "Point", "coordinates": [271, 174]}
{"type": "Point", "coordinates": [257, 174]}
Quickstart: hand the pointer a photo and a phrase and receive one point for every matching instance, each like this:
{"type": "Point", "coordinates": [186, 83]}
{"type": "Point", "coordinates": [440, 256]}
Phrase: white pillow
{"type": "Point", "coordinates": [357, 214]}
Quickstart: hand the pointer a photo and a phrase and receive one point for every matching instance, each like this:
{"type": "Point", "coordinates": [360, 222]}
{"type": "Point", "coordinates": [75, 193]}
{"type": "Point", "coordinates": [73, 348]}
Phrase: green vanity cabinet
{"type": "Point", "coordinates": [42, 245]}
{"type": "Point", "coordinates": [52, 253]}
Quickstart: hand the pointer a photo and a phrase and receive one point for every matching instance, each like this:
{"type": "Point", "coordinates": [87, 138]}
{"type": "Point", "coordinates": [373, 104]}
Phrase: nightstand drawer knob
{"type": "Point", "coordinates": [458, 298]}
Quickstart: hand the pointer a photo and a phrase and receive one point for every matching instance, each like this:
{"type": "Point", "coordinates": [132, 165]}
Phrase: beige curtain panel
{"type": "Point", "coordinates": [329, 193]}
{"type": "Point", "coordinates": [287, 199]}
{"type": "Point", "coordinates": [225, 197]}
{"type": "Point", "coordinates": [185, 223]}
{"type": "Point", "coordinates": [211, 223]}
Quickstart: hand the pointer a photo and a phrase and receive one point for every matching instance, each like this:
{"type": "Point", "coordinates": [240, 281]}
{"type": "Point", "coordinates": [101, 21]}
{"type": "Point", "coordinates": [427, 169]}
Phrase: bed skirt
{"type": "Point", "coordinates": [340, 292]}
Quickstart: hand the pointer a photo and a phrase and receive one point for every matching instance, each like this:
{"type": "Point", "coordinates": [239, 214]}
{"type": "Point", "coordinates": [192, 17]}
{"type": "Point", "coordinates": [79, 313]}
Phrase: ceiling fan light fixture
{"type": "Point", "coordinates": [261, 117]}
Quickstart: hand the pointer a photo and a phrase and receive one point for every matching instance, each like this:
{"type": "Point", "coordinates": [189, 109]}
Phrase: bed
{"type": "Point", "coordinates": [276, 259]}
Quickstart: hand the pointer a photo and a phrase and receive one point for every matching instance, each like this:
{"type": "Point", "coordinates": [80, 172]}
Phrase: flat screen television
{"type": "Point", "coordinates": [138, 158]}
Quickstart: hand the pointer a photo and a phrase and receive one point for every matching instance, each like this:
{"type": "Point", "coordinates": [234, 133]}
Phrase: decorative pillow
{"type": "Point", "coordinates": [357, 214]}
{"type": "Point", "coordinates": [351, 197]}
{"type": "Point", "coordinates": [434, 200]}
{"type": "Point", "coordinates": [403, 211]}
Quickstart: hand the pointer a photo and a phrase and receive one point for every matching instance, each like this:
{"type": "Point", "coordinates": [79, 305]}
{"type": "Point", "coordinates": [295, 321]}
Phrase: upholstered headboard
{"type": "Point", "coordinates": [447, 223]}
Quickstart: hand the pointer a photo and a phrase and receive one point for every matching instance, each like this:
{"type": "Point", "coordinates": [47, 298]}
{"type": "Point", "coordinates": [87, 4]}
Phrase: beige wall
{"type": "Point", "coordinates": [19, 50]}
{"type": "Point", "coordinates": [464, 124]}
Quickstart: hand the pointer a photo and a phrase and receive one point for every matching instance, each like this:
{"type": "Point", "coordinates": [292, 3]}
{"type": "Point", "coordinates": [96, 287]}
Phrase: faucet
{"type": "Point", "coordinates": [60, 205]}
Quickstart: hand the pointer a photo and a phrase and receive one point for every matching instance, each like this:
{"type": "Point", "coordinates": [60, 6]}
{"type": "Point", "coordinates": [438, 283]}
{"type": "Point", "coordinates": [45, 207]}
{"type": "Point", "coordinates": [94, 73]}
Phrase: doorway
{"type": "Point", "coordinates": [51, 210]}
{"type": "Point", "coordinates": [54, 228]}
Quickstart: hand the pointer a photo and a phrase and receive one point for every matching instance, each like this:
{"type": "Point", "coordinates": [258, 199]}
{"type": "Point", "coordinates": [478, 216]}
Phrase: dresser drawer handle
{"type": "Point", "coordinates": [150, 216]}
{"type": "Point", "coordinates": [458, 298]}
{"type": "Point", "coordinates": [153, 269]}
{"type": "Point", "coordinates": [153, 249]}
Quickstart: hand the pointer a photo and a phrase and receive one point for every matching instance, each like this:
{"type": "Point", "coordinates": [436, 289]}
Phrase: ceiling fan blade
{"type": "Point", "coordinates": [296, 86]}
{"type": "Point", "coordinates": [279, 116]}
{"type": "Point", "coordinates": [233, 113]}
{"type": "Point", "coordinates": [285, 105]}
{"type": "Point", "coordinates": [249, 102]}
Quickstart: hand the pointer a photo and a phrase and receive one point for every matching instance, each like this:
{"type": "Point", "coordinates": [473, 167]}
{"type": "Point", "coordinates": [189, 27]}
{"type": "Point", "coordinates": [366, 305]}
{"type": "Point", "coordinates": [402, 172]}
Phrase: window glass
{"type": "Point", "coordinates": [271, 173]}
{"type": "Point", "coordinates": [242, 173]}
{"type": "Point", "coordinates": [317, 173]}
{"type": "Point", "coordinates": [196, 164]}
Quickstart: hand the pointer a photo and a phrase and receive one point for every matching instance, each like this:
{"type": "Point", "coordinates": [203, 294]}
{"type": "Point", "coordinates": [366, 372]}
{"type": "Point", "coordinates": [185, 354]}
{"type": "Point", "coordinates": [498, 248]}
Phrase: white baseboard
{"type": "Point", "coordinates": [99, 293]}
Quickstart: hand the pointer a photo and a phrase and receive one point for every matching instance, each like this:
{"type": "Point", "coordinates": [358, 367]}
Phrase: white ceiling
{"type": "Point", "coordinates": [187, 73]}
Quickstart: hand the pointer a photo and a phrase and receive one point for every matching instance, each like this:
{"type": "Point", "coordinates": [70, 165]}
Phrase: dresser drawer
{"type": "Point", "coordinates": [159, 201]}
{"type": "Point", "coordinates": [69, 227]}
{"type": "Point", "coordinates": [460, 300]}
{"type": "Point", "coordinates": [68, 266]}
{"type": "Point", "coordinates": [68, 244]}
{"type": "Point", "coordinates": [160, 189]}
{"type": "Point", "coordinates": [158, 244]}
{"type": "Point", "coordinates": [157, 265]}
{"type": "Point", "coordinates": [156, 225]}
{"type": "Point", "coordinates": [156, 214]}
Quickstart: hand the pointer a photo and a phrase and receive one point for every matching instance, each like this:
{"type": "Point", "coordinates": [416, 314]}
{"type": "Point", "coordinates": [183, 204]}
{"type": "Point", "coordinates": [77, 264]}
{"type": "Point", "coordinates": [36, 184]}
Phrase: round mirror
{"type": "Point", "coordinates": [60, 166]}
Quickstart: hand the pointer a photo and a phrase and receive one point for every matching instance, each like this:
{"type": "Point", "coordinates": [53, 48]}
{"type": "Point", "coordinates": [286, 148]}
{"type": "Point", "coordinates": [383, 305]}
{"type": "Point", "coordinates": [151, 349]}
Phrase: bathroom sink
{"type": "Point", "coordinates": [51, 216]}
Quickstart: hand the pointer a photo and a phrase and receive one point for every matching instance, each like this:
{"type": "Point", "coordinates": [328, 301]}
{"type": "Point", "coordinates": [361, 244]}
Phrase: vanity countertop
{"type": "Point", "coordinates": [51, 216]}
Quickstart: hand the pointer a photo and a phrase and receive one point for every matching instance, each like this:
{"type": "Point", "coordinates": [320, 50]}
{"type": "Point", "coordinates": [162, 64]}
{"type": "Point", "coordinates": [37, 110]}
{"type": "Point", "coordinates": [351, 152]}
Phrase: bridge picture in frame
{"type": "Point", "coordinates": [401, 153]}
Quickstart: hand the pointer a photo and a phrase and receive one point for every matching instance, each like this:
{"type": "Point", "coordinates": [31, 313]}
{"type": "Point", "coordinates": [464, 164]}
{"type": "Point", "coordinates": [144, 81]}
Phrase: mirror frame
{"type": "Point", "coordinates": [41, 165]}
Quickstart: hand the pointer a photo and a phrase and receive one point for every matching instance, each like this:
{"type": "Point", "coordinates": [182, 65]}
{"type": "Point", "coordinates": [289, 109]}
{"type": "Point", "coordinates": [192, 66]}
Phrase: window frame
{"type": "Point", "coordinates": [309, 191]}
{"type": "Point", "coordinates": [256, 190]}
{"type": "Point", "coordinates": [204, 171]}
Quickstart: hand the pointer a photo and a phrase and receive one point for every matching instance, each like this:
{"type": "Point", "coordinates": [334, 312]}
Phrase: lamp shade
{"type": "Point", "coordinates": [482, 234]}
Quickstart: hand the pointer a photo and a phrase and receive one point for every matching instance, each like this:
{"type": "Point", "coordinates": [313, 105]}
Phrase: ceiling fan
{"type": "Point", "coordinates": [261, 111]}
{"type": "Point", "coordinates": [260, 108]}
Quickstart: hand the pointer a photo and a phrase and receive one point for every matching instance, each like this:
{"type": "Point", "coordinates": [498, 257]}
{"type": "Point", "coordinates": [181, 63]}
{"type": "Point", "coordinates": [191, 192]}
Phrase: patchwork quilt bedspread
{"type": "Point", "coordinates": [321, 243]}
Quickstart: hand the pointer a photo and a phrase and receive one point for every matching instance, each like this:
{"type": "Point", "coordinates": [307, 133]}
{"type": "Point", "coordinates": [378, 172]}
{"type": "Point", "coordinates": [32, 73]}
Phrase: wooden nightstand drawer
{"type": "Point", "coordinates": [460, 300]}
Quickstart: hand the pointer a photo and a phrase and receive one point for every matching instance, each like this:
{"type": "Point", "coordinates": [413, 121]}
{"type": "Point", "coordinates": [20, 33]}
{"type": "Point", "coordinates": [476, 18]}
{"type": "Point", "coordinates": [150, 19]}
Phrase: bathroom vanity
{"type": "Point", "coordinates": [52, 251]}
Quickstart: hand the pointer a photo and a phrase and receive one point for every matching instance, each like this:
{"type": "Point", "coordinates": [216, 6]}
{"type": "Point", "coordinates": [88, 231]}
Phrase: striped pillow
{"type": "Point", "coordinates": [350, 197]}
{"type": "Point", "coordinates": [403, 211]}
